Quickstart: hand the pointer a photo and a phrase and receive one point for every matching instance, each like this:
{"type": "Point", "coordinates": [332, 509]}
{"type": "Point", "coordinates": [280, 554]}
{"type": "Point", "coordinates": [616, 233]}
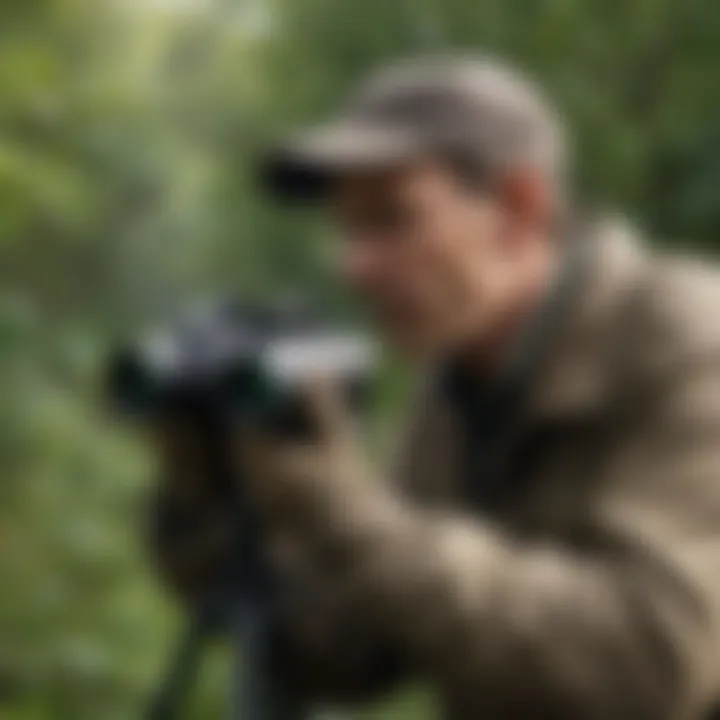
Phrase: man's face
{"type": "Point", "coordinates": [433, 259]}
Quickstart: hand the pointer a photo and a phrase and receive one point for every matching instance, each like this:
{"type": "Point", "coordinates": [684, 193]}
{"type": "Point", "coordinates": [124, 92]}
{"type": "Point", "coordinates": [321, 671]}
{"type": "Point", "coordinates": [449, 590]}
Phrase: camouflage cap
{"type": "Point", "coordinates": [473, 108]}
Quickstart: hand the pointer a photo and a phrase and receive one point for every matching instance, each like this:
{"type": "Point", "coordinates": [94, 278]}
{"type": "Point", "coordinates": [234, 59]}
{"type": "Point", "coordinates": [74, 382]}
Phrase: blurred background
{"type": "Point", "coordinates": [127, 131]}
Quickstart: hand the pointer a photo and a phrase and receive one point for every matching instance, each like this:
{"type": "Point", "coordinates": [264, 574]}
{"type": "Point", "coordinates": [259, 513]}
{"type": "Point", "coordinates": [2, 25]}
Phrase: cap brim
{"type": "Point", "coordinates": [306, 167]}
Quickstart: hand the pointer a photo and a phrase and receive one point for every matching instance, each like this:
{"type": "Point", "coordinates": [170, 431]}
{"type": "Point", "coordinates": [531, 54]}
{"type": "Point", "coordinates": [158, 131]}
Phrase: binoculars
{"type": "Point", "coordinates": [239, 361]}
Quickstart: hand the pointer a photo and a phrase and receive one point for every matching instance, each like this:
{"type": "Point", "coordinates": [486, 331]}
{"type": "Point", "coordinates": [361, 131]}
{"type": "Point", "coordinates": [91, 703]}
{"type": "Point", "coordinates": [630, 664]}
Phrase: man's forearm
{"type": "Point", "coordinates": [479, 612]}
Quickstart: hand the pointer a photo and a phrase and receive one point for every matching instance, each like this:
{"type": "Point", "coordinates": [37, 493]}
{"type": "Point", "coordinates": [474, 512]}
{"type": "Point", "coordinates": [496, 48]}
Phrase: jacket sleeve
{"type": "Point", "coordinates": [625, 624]}
{"type": "Point", "coordinates": [326, 648]}
{"type": "Point", "coordinates": [323, 650]}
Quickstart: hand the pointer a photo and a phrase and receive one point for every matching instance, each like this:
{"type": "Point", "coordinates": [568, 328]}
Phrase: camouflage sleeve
{"type": "Point", "coordinates": [624, 625]}
{"type": "Point", "coordinates": [324, 647]}
{"type": "Point", "coordinates": [323, 650]}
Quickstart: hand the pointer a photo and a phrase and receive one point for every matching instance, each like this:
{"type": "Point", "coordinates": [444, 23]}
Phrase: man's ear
{"type": "Point", "coordinates": [529, 197]}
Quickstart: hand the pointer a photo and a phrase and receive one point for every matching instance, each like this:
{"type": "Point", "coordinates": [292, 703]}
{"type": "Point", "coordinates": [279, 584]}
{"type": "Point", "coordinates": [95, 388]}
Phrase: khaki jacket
{"type": "Point", "coordinates": [589, 587]}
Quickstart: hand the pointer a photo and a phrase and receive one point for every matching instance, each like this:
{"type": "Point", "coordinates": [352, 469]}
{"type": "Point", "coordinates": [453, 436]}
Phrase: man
{"type": "Point", "coordinates": [549, 546]}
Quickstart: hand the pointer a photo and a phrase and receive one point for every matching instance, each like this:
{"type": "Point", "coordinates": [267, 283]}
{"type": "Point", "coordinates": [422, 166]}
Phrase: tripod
{"type": "Point", "coordinates": [254, 694]}
{"type": "Point", "coordinates": [239, 610]}
{"type": "Point", "coordinates": [239, 607]}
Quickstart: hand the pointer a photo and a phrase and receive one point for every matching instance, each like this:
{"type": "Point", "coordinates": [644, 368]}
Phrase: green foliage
{"type": "Point", "coordinates": [127, 134]}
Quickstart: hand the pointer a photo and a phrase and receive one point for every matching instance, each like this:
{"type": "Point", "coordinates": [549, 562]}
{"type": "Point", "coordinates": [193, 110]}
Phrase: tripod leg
{"type": "Point", "coordinates": [174, 688]}
{"type": "Point", "coordinates": [255, 695]}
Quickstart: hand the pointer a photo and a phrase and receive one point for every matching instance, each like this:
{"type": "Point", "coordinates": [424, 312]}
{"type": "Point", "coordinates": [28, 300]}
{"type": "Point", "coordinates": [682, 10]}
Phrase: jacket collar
{"type": "Point", "coordinates": [579, 374]}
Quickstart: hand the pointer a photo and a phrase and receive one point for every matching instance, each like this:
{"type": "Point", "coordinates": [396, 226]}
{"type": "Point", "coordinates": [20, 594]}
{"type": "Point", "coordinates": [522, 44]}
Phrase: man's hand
{"type": "Point", "coordinates": [284, 475]}
{"type": "Point", "coordinates": [192, 529]}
